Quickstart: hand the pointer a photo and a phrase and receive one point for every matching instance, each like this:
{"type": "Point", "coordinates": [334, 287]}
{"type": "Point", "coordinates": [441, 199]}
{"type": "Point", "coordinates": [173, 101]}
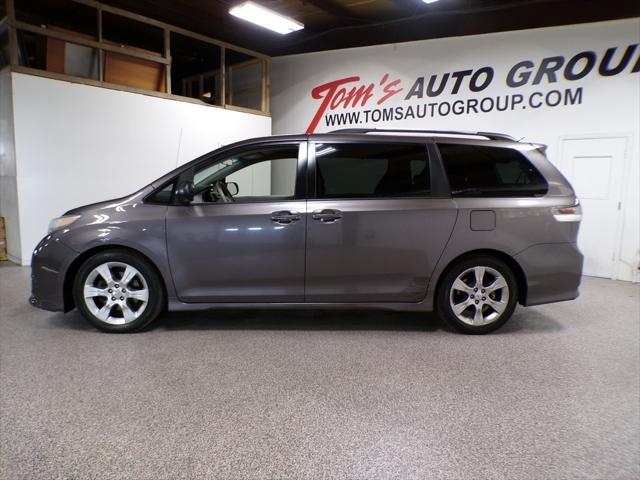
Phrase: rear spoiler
{"type": "Point", "coordinates": [541, 147]}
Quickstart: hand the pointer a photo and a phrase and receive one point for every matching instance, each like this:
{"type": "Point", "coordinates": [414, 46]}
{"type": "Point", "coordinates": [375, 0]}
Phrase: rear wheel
{"type": "Point", "coordinates": [478, 295]}
{"type": "Point", "coordinates": [118, 291]}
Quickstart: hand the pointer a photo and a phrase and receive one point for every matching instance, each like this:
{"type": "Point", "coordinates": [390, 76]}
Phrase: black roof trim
{"type": "Point", "coordinates": [489, 135]}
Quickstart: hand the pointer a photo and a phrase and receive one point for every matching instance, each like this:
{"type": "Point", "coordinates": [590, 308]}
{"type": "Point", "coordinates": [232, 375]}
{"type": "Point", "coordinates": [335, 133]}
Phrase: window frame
{"type": "Point", "coordinates": [438, 188]}
{"type": "Point", "coordinates": [188, 173]}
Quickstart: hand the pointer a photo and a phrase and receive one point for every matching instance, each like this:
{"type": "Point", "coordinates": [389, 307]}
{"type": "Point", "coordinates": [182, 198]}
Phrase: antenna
{"type": "Point", "coordinates": [179, 145]}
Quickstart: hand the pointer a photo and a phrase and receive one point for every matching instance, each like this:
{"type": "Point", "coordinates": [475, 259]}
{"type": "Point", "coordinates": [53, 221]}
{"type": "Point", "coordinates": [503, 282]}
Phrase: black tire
{"type": "Point", "coordinates": [475, 299]}
{"type": "Point", "coordinates": [146, 277]}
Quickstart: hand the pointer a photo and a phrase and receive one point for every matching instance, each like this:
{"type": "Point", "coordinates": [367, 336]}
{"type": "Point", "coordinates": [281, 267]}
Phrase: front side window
{"type": "Point", "coordinates": [267, 173]}
{"type": "Point", "coordinates": [370, 170]}
{"type": "Point", "coordinates": [490, 171]}
{"type": "Point", "coordinates": [162, 196]}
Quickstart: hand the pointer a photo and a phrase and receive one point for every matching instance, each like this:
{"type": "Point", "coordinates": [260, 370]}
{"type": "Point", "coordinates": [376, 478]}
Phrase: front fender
{"type": "Point", "coordinates": [139, 227]}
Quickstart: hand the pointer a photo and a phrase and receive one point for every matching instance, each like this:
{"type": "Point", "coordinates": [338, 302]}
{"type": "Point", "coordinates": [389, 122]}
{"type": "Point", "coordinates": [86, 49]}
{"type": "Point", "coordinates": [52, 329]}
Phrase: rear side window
{"type": "Point", "coordinates": [371, 170]}
{"type": "Point", "coordinates": [490, 171]}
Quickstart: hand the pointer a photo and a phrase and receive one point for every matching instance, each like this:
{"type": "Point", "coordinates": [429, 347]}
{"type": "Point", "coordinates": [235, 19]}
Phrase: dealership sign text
{"type": "Point", "coordinates": [350, 95]}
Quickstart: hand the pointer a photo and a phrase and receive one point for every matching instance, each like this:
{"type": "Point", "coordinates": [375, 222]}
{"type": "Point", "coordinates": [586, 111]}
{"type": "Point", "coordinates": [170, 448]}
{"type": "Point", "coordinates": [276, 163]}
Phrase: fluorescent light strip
{"type": "Point", "coordinates": [429, 1]}
{"type": "Point", "coordinates": [266, 18]}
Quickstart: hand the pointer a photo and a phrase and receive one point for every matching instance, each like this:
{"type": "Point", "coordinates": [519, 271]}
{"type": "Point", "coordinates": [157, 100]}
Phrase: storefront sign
{"type": "Point", "coordinates": [352, 100]}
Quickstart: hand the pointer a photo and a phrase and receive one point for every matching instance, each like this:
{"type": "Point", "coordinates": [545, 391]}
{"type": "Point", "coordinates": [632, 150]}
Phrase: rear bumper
{"type": "Point", "coordinates": [49, 263]}
{"type": "Point", "coordinates": [553, 272]}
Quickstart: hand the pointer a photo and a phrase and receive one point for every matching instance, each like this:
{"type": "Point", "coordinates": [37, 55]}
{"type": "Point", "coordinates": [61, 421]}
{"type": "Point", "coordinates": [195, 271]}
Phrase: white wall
{"type": "Point", "coordinates": [608, 107]}
{"type": "Point", "coordinates": [8, 180]}
{"type": "Point", "coordinates": [77, 144]}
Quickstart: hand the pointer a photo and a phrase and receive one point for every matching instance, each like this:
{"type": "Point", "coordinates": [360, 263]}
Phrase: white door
{"type": "Point", "coordinates": [595, 167]}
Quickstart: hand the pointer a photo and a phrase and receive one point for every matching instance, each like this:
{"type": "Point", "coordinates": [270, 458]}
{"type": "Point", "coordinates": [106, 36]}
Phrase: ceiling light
{"type": "Point", "coordinates": [254, 13]}
{"type": "Point", "coordinates": [429, 1]}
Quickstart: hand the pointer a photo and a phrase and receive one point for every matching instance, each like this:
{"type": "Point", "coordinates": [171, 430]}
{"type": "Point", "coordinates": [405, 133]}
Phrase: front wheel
{"type": "Point", "coordinates": [477, 295]}
{"type": "Point", "coordinates": [118, 291]}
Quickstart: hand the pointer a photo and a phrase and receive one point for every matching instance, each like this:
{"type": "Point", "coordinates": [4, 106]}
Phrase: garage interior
{"type": "Point", "coordinates": [144, 86]}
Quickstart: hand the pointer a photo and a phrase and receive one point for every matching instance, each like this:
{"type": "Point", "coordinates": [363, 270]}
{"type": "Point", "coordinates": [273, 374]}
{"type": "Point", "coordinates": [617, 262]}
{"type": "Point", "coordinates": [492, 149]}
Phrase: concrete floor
{"type": "Point", "coordinates": [243, 395]}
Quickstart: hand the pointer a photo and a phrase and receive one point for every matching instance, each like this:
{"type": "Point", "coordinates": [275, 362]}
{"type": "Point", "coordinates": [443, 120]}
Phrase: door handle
{"type": "Point", "coordinates": [326, 215]}
{"type": "Point", "coordinates": [284, 217]}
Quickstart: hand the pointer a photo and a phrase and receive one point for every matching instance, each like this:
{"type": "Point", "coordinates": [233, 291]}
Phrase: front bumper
{"type": "Point", "coordinates": [49, 263]}
{"type": "Point", "coordinates": [553, 272]}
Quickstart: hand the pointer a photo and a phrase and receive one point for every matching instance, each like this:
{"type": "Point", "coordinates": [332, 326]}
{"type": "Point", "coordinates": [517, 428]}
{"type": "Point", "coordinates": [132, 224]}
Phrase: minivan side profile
{"type": "Point", "coordinates": [468, 225]}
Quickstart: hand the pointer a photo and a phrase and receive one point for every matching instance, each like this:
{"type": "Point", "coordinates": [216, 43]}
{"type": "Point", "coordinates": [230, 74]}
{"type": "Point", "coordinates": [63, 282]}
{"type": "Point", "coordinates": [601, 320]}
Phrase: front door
{"type": "Point", "coordinates": [242, 239]}
{"type": "Point", "coordinates": [374, 230]}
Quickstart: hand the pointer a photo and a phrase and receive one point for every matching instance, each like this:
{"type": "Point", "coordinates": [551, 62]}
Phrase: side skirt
{"type": "Point", "coordinates": [175, 305]}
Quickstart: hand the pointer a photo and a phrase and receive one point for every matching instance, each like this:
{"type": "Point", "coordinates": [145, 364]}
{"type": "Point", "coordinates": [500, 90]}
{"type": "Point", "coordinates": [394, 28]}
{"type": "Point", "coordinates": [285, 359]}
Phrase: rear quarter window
{"type": "Point", "coordinates": [490, 171]}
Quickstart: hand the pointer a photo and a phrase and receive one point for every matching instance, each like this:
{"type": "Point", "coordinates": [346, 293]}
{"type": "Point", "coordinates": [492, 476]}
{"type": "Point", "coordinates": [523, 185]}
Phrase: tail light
{"type": "Point", "coordinates": [570, 213]}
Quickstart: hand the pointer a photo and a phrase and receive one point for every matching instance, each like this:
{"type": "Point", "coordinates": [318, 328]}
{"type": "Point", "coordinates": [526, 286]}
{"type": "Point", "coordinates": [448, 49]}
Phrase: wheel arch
{"type": "Point", "coordinates": [515, 267]}
{"type": "Point", "coordinates": [70, 275]}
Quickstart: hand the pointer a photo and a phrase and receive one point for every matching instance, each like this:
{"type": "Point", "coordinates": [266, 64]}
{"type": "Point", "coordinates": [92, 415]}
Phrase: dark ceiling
{"type": "Point", "coordinates": [331, 24]}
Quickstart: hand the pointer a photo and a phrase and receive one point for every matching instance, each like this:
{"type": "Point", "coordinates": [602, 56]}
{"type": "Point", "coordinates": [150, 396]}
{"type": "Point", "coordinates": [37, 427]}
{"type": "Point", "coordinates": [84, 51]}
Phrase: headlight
{"type": "Point", "coordinates": [62, 222]}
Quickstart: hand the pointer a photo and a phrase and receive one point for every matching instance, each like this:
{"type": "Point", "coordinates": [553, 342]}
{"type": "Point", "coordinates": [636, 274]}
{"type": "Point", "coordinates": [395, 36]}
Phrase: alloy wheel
{"type": "Point", "coordinates": [479, 296]}
{"type": "Point", "coordinates": [116, 293]}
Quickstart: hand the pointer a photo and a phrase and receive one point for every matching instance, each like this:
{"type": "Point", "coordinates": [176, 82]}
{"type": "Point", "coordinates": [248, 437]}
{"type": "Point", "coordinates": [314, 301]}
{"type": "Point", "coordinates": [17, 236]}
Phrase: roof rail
{"type": "Point", "coordinates": [489, 135]}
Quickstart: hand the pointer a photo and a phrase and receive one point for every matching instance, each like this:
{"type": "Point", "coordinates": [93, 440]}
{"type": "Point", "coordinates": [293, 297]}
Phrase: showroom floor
{"type": "Point", "coordinates": [554, 394]}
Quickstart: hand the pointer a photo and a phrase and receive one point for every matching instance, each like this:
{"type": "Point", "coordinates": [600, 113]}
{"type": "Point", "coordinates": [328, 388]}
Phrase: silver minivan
{"type": "Point", "coordinates": [465, 224]}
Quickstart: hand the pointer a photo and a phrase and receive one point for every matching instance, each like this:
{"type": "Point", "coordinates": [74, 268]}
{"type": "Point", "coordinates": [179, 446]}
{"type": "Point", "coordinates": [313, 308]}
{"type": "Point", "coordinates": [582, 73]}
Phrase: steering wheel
{"type": "Point", "coordinates": [221, 190]}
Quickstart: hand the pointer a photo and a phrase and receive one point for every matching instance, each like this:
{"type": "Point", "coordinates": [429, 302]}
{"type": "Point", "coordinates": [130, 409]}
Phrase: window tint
{"type": "Point", "coordinates": [371, 170]}
{"type": "Point", "coordinates": [261, 174]}
{"type": "Point", "coordinates": [163, 195]}
{"type": "Point", "coordinates": [491, 171]}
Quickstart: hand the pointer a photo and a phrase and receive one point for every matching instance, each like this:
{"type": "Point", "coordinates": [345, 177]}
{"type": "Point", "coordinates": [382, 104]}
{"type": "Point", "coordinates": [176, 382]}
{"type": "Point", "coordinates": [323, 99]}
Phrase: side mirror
{"type": "Point", "coordinates": [184, 192]}
{"type": "Point", "coordinates": [233, 188]}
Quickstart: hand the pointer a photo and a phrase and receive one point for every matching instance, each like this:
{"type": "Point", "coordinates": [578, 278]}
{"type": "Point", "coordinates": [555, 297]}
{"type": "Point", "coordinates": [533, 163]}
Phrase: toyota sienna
{"type": "Point", "coordinates": [468, 225]}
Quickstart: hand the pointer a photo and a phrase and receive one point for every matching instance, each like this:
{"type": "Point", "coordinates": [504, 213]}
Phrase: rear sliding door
{"type": "Point", "coordinates": [374, 229]}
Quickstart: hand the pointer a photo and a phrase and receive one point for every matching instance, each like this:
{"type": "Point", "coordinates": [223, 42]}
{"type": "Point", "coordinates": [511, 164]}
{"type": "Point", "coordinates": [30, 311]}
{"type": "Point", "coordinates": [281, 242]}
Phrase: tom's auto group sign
{"type": "Point", "coordinates": [352, 100]}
